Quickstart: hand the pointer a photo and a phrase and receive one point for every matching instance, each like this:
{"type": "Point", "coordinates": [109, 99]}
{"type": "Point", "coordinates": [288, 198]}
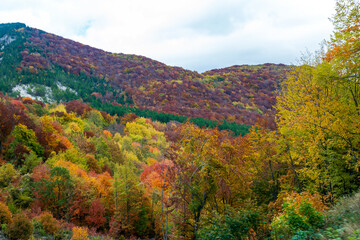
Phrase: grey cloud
{"type": "Point", "coordinates": [197, 35]}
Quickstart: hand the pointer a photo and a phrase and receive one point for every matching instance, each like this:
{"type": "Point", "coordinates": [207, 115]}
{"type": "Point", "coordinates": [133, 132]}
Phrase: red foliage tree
{"type": "Point", "coordinates": [7, 122]}
{"type": "Point", "coordinates": [78, 107]}
{"type": "Point", "coordinates": [96, 212]}
{"type": "Point", "coordinates": [18, 104]}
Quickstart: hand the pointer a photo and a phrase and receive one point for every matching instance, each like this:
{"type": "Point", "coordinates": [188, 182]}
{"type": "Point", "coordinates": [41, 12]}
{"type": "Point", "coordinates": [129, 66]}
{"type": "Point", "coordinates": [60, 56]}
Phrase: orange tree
{"type": "Point", "coordinates": [209, 175]}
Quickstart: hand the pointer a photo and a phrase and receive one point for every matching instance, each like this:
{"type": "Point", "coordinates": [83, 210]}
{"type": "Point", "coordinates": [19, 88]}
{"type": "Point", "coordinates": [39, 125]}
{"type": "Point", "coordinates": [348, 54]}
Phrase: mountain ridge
{"type": "Point", "coordinates": [240, 93]}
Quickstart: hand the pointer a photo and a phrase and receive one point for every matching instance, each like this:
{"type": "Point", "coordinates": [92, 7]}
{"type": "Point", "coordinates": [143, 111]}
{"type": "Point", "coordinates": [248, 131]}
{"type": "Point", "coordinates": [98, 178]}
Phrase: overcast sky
{"type": "Point", "coordinates": [194, 34]}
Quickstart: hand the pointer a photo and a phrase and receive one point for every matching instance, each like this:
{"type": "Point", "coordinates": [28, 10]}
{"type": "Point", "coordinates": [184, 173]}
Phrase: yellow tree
{"type": "Point", "coordinates": [319, 113]}
{"type": "Point", "coordinates": [269, 164]}
{"type": "Point", "coordinates": [210, 175]}
{"type": "Point", "coordinates": [129, 198]}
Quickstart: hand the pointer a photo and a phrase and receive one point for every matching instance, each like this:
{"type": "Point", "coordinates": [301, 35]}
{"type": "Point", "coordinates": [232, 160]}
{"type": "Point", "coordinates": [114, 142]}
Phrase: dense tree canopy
{"type": "Point", "coordinates": [70, 170]}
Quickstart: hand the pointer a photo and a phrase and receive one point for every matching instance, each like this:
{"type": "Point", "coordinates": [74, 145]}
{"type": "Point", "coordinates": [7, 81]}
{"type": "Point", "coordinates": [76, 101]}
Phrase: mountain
{"type": "Point", "coordinates": [53, 68]}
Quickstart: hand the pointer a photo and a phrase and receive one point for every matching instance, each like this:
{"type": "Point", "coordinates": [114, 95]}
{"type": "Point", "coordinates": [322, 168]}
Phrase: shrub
{"type": "Point", "coordinates": [3, 228]}
{"type": "Point", "coordinates": [38, 228]}
{"type": "Point", "coordinates": [115, 227]}
{"type": "Point", "coordinates": [5, 214]}
{"type": "Point", "coordinates": [20, 228]}
{"type": "Point", "coordinates": [343, 219]}
{"type": "Point", "coordinates": [49, 223]}
{"type": "Point", "coordinates": [299, 218]}
{"type": "Point", "coordinates": [233, 225]}
{"type": "Point", "coordinates": [79, 233]}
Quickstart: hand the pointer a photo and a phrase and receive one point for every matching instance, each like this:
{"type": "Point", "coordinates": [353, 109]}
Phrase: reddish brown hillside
{"type": "Point", "coordinates": [239, 94]}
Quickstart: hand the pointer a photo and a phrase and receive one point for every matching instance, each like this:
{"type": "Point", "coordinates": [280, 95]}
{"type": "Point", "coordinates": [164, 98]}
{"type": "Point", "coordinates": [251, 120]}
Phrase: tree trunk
{"type": "Point", "coordinates": [273, 179]}
{"type": "Point", "coordinates": [293, 169]}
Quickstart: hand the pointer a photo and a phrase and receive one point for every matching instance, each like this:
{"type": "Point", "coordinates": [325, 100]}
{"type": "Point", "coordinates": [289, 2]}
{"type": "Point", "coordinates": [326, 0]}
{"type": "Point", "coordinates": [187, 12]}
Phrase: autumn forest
{"type": "Point", "coordinates": [99, 145]}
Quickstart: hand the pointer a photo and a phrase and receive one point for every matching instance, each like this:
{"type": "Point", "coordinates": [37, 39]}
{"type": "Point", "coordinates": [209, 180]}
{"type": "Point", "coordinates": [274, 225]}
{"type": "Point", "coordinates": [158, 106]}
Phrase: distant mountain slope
{"type": "Point", "coordinates": [59, 69]}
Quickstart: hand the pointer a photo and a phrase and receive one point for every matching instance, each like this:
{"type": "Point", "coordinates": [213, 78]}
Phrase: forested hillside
{"type": "Point", "coordinates": [69, 170]}
{"type": "Point", "coordinates": [53, 68]}
{"type": "Point", "coordinates": [74, 170]}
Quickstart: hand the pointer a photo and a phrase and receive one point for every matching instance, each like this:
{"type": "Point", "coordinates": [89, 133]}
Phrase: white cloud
{"type": "Point", "coordinates": [197, 35]}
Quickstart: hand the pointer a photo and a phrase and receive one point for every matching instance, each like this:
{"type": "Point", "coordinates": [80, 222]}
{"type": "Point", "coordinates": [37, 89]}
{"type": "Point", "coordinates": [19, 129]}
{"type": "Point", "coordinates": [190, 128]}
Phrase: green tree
{"type": "Point", "coordinates": [300, 215]}
{"type": "Point", "coordinates": [7, 174]}
{"type": "Point", "coordinates": [25, 136]}
{"type": "Point", "coordinates": [31, 161]}
{"type": "Point", "coordinates": [57, 191]}
{"type": "Point", "coordinates": [128, 194]}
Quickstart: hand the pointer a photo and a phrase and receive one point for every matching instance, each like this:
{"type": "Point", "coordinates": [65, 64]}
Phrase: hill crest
{"type": "Point", "coordinates": [239, 94]}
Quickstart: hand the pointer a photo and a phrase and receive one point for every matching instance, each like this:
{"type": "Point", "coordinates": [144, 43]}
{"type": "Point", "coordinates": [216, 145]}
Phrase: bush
{"type": "Point", "coordinates": [309, 235]}
{"type": "Point", "coordinates": [115, 227]}
{"type": "Point", "coordinates": [21, 228]}
{"type": "Point", "coordinates": [38, 228]}
{"type": "Point", "coordinates": [79, 233]}
{"type": "Point", "coordinates": [343, 219]}
{"type": "Point", "coordinates": [5, 214]}
{"type": "Point", "coordinates": [49, 223]}
{"type": "Point", "coordinates": [233, 225]}
{"type": "Point", "coordinates": [3, 228]}
{"type": "Point", "coordinates": [299, 219]}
